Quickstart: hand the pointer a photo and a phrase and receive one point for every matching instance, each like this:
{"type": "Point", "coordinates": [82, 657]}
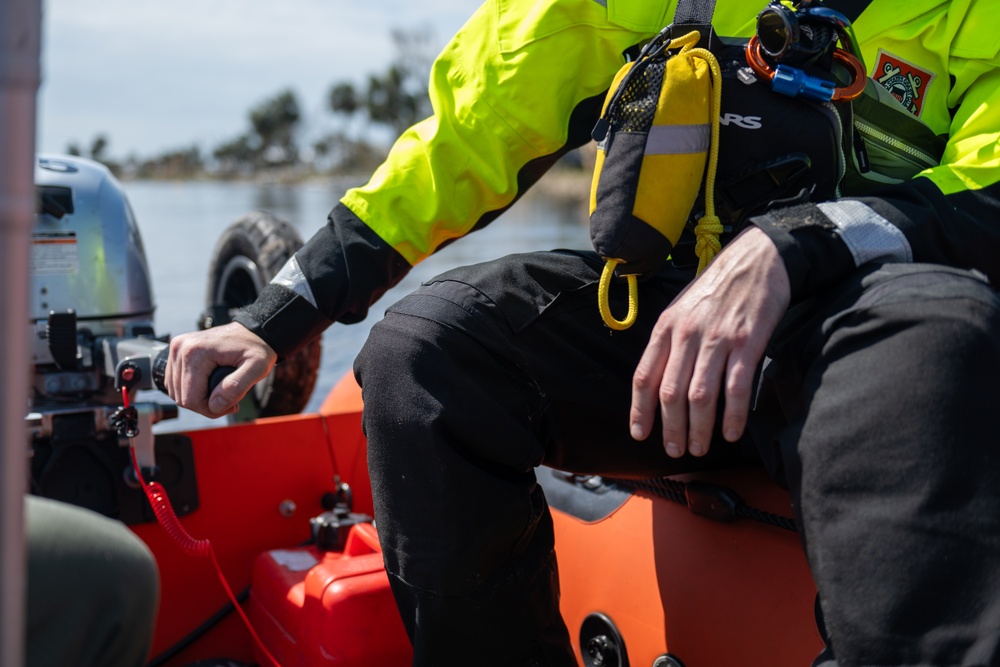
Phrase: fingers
{"type": "Point", "coordinates": [646, 385]}
{"type": "Point", "coordinates": [186, 376]}
{"type": "Point", "coordinates": [193, 358]}
{"type": "Point", "coordinates": [689, 393]}
{"type": "Point", "coordinates": [708, 342]}
{"type": "Point", "coordinates": [703, 396]}
{"type": "Point", "coordinates": [687, 390]}
{"type": "Point", "coordinates": [233, 387]}
{"type": "Point", "coordinates": [673, 396]}
{"type": "Point", "coordinates": [739, 390]}
{"type": "Point", "coordinates": [676, 378]}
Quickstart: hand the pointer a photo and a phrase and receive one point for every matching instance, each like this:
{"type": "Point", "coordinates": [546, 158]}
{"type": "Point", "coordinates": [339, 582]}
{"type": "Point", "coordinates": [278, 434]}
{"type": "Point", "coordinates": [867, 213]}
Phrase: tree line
{"type": "Point", "coordinates": [273, 141]}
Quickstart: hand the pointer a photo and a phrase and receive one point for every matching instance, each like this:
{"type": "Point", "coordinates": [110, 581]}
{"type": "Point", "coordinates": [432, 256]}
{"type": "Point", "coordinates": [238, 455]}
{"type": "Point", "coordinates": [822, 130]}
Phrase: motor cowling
{"type": "Point", "coordinates": [91, 318]}
{"type": "Point", "coordinates": [86, 251]}
{"type": "Point", "coordinates": [90, 280]}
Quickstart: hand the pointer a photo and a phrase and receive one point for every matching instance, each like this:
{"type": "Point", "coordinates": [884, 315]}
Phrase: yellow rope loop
{"type": "Point", "coordinates": [709, 228]}
{"type": "Point", "coordinates": [707, 244]}
{"type": "Point", "coordinates": [604, 287]}
{"type": "Point", "coordinates": [688, 40]}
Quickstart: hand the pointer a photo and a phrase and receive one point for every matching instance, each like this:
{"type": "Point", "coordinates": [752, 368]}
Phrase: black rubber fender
{"type": "Point", "coordinates": [247, 255]}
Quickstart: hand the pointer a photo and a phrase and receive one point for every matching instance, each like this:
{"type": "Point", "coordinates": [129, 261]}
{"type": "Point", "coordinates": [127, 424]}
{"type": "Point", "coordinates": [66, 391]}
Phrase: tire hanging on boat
{"type": "Point", "coordinates": [247, 255]}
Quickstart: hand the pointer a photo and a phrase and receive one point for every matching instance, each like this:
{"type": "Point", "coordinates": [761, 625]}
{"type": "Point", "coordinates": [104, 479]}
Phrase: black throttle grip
{"type": "Point", "coordinates": [160, 371]}
{"type": "Point", "coordinates": [217, 375]}
{"type": "Point", "coordinates": [160, 368]}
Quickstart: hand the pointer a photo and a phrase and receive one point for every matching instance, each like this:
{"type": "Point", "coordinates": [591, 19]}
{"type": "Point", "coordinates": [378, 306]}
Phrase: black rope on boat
{"type": "Point", "coordinates": [196, 634]}
{"type": "Point", "coordinates": [768, 518]}
{"type": "Point", "coordinates": [670, 489]}
{"type": "Point", "coordinates": [709, 500]}
{"type": "Point", "coordinates": [209, 623]}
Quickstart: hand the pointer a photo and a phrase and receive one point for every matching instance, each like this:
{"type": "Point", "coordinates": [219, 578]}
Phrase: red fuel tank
{"type": "Point", "coordinates": [315, 608]}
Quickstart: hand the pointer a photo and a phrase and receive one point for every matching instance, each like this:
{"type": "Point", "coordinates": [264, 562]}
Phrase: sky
{"type": "Point", "coordinates": [161, 75]}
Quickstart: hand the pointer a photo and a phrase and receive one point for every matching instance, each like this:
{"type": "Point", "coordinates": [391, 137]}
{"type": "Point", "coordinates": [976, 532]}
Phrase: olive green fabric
{"type": "Point", "coordinates": [93, 589]}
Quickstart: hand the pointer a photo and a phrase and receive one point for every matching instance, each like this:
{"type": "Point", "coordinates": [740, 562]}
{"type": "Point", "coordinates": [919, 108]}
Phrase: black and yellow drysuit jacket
{"type": "Point", "coordinates": [522, 83]}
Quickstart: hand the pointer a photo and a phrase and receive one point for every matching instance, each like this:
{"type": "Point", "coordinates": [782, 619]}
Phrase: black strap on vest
{"type": "Point", "coordinates": [697, 14]}
{"type": "Point", "coordinates": [851, 9]}
{"type": "Point", "coordinates": [694, 12]}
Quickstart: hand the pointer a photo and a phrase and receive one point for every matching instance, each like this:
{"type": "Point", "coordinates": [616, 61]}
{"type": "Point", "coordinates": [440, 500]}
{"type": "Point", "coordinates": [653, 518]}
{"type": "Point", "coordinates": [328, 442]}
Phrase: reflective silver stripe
{"type": "Point", "coordinates": [868, 235]}
{"type": "Point", "coordinates": [292, 277]}
{"type": "Point", "coordinates": [602, 3]}
{"type": "Point", "coordinates": [677, 139]}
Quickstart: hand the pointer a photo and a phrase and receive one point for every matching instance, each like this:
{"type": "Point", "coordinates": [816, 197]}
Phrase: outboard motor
{"type": "Point", "coordinates": [91, 318]}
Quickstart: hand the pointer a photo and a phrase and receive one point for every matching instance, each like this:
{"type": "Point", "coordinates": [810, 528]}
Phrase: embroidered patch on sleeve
{"type": "Point", "coordinates": [907, 82]}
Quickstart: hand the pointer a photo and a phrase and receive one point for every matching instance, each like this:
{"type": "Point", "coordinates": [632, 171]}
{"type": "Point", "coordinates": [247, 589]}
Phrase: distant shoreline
{"type": "Point", "coordinates": [564, 184]}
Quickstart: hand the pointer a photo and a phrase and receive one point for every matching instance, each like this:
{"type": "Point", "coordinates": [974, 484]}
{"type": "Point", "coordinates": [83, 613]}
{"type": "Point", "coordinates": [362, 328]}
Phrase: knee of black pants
{"type": "Point", "coordinates": [900, 469]}
{"type": "Point", "coordinates": [451, 447]}
{"type": "Point", "coordinates": [516, 626]}
{"type": "Point", "coordinates": [912, 362]}
{"type": "Point", "coordinates": [444, 357]}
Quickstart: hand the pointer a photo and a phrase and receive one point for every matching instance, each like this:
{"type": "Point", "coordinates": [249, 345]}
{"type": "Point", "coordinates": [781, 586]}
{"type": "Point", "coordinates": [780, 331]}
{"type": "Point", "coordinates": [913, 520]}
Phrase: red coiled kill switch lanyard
{"type": "Point", "coordinates": [167, 518]}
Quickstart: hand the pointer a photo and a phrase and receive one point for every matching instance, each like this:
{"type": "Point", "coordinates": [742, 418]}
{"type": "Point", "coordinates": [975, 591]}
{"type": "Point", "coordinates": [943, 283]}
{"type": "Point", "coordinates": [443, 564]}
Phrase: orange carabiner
{"type": "Point", "coordinates": [840, 94]}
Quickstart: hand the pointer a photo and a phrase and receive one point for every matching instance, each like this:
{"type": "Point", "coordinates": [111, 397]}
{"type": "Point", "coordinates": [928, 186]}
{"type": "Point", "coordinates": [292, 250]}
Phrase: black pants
{"type": "Point", "coordinates": [874, 410]}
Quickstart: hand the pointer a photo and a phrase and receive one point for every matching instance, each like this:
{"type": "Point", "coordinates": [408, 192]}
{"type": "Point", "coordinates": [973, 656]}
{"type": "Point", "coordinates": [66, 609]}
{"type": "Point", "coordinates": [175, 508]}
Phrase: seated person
{"type": "Point", "coordinates": [93, 589]}
{"type": "Point", "coordinates": [874, 313]}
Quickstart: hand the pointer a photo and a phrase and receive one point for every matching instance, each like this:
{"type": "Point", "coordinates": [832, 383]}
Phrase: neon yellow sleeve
{"type": "Point", "coordinates": [503, 92]}
{"type": "Point", "coordinates": [964, 34]}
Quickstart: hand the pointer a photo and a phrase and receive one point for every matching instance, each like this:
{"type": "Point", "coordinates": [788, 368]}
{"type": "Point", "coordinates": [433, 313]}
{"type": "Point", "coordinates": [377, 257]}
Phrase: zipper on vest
{"type": "Point", "coordinates": [897, 145]}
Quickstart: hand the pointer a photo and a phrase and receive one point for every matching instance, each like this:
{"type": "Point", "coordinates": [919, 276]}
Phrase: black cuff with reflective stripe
{"type": "Point", "coordinates": [814, 254]}
{"type": "Point", "coordinates": [283, 319]}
